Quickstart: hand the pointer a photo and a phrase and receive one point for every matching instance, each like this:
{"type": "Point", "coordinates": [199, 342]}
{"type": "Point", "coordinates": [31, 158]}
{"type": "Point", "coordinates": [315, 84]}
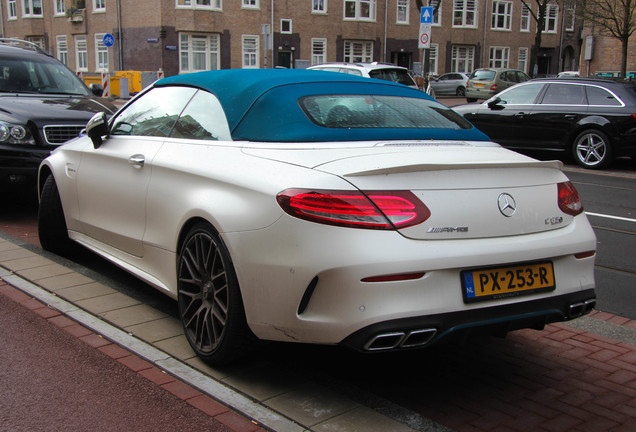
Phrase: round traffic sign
{"type": "Point", "coordinates": [424, 38]}
{"type": "Point", "coordinates": [109, 40]}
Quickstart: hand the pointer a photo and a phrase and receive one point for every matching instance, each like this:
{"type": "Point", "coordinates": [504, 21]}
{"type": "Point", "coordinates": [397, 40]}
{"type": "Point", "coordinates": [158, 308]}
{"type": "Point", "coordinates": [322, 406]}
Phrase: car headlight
{"type": "Point", "coordinates": [15, 134]}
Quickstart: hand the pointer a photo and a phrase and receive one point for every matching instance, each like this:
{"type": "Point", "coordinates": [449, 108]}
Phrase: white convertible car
{"type": "Point", "coordinates": [319, 207]}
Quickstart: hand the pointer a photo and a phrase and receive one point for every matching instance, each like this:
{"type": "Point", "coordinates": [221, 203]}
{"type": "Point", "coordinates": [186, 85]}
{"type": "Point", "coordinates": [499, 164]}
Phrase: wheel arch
{"type": "Point", "coordinates": [183, 234]}
{"type": "Point", "coordinates": [44, 172]}
{"type": "Point", "coordinates": [598, 123]}
{"type": "Point", "coordinates": [187, 226]}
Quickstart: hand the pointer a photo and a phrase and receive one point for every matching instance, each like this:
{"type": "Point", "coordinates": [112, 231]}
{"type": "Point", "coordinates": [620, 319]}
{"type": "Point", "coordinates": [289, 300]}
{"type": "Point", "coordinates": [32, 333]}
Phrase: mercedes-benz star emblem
{"type": "Point", "coordinates": [507, 204]}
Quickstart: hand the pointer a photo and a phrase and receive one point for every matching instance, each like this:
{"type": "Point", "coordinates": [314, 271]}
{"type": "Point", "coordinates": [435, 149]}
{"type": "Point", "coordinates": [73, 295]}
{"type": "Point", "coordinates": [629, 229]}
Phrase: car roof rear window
{"type": "Point", "coordinates": [376, 111]}
{"type": "Point", "coordinates": [483, 75]}
{"type": "Point", "coordinates": [399, 76]}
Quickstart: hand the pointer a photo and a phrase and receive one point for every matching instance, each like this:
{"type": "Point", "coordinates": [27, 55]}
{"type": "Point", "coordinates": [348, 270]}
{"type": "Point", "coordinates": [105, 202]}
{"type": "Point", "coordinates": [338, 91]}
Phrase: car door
{"type": "Point", "coordinates": [444, 84]}
{"type": "Point", "coordinates": [556, 116]}
{"type": "Point", "coordinates": [504, 117]}
{"type": "Point", "coordinates": [112, 180]}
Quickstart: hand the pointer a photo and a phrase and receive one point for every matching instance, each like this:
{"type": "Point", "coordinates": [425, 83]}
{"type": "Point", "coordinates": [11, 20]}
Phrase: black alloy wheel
{"type": "Point", "coordinates": [592, 149]}
{"type": "Point", "coordinates": [461, 92]}
{"type": "Point", "coordinates": [210, 305]}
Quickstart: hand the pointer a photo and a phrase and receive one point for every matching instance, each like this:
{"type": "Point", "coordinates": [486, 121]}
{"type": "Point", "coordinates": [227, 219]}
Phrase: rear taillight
{"type": "Point", "coordinates": [569, 199]}
{"type": "Point", "coordinates": [493, 87]}
{"type": "Point", "coordinates": [355, 209]}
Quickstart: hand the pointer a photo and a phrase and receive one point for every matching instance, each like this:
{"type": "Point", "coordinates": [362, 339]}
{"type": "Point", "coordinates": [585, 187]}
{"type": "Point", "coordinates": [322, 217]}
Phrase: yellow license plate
{"type": "Point", "coordinates": [502, 282]}
{"type": "Point", "coordinates": [480, 85]}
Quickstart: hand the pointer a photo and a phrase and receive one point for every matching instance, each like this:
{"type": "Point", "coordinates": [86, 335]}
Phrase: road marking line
{"type": "Point", "coordinates": [610, 217]}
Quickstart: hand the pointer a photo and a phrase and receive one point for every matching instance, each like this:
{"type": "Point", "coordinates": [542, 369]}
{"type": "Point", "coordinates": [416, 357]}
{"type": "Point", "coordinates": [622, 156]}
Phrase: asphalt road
{"type": "Point", "coordinates": [610, 202]}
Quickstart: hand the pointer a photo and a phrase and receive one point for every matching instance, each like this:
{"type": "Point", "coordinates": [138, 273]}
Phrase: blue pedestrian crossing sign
{"type": "Point", "coordinates": [426, 16]}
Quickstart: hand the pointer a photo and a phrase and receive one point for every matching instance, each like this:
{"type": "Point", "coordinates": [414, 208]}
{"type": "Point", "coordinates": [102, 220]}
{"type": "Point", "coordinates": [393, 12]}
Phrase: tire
{"type": "Point", "coordinates": [470, 100]}
{"type": "Point", "coordinates": [52, 229]}
{"type": "Point", "coordinates": [592, 149]}
{"type": "Point", "coordinates": [210, 305]}
{"type": "Point", "coordinates": [460, 92]}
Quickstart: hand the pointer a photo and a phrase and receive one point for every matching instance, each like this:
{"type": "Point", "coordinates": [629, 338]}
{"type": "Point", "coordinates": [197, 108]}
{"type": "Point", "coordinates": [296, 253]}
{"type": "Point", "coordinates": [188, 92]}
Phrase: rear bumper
{"type": "Point", "coordinates": [478, 93]}
{"type": "Point", "coordinates": [422, 331]}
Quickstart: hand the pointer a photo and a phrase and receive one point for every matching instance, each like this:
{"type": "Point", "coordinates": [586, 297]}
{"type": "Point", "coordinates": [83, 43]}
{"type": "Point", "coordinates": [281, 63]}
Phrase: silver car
{"type": "Point", "coordinates": [449, 84]}
{"type": "Point", "coordinates": [487, 82]}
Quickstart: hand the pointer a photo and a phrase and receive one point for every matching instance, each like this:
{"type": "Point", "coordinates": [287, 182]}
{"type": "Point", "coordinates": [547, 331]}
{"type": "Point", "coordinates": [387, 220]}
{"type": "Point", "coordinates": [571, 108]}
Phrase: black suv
{"type": "Point", "coordinates": [592, 119]}
{"type": "Point", "coordinates": [42, 105]}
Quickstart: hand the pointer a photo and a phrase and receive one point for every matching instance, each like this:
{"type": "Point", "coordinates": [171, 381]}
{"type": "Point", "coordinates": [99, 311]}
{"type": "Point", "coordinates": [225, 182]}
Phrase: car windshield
{"type": "Point", "coordinates": [399, 76]}
{"type": "Point", "coordinates": [483, 75]}
{"type": "Point", "coordinates": [32, 76]}
{"type": "Point", "coordinates": [373, 111]}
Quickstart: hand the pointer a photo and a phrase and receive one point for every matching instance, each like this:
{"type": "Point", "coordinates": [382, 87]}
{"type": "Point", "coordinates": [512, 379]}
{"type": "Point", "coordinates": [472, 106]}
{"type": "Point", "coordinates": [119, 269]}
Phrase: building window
{"type": "Point", "coordinates": [570, 19]}
{"type": "Point", "coordinates": [99, 5]}
{"type": "Point", "coordinates": [525, 19]}
{"type": "Point", "coordinates": [62, 49]}
{"type": "Point", "coordinates": [462, 58]}
{"type": "Point", "coordinates": [523, 60]}
{"type": "Point", "coordinates": [432, 59]}
{"type": "Point", "coordinates": [551, 15]}
{"type": "Point", "coordinates": [436, 13]}
{"type": "Point", "coordinates": [250, 4]}
{"type": "Point", "coordinates": [32, 8]}
{"type": "Point", "coordinates": [363, 10]}
{"type": "Point", "coordinates": [465, 13]}
{"type": "Point", "coordinates": [199, 52]}
{"type": "Point", "coordinates": [319, 6]}
{"type": "Point", "coordinates": [81, 53]}
{"type": "Point", "coordinates": [318, 51]}
{"type": "Point", "coordinates": [60, 9]}
{"type": "Point", "coordinates": [402, 12]}
{"type": "Point", "coordinates": [501, 15]}
{"type": "Point", "coordinates": [12, 10]}
{"type": "Point", "coordinates": [101, 54]}
{"type": "Point", "coordinates": [358, 51]}
{"type": "Point", "coordinates": [200, 4]}
{"type": "Point", "coordinates": [286, 26]}
{"type": "Point", "coordinates": [36, 40]}
{"type": "Point", "coordinates": [250, 52]}
{"type": "Point", "coordinates": [499, 57]}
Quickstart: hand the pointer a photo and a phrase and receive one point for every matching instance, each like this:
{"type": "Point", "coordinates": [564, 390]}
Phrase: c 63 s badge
{"type": "Point", "coordinates": [554, 220]}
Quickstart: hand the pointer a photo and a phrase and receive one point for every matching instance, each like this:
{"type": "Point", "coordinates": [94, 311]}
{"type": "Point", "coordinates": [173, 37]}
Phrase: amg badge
{"type": "Point", "coordinates": [436, 230]}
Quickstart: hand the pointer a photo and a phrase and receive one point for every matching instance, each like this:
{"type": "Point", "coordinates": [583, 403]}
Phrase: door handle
{"type": "Point", "coordinates": [137, 160]}
{"type": "Point", "coordinates": [520, 115]}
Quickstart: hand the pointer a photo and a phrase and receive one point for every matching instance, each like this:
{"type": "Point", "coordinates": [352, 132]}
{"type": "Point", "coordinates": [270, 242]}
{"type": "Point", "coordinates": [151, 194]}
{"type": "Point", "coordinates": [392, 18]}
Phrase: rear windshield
{"type": "Point", "coordinates": [483, 75]}
{"type": "Point", "coordinates": [399, 76]}
{"type": "Point", "coordinates": [372, 111]}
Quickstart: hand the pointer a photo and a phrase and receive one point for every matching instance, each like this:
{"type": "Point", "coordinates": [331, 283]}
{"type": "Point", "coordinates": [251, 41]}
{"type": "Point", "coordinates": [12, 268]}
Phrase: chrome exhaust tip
{"type": "Point", "coordinates": [582, 308]}
{"type": "Point", "coordinates": [399, 339]}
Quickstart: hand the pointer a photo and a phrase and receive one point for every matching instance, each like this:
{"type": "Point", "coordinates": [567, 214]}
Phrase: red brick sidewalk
{"type": "Point", "coordinates": [561, 379]}
{"type": "Point", "coordinates": [223, 418]}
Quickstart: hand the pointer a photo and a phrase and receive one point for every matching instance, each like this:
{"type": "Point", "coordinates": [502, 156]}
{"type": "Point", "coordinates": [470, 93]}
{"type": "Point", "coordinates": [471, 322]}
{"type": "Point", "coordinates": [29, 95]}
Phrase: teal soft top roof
{"type": "Point", "coordinates": [263, 105]}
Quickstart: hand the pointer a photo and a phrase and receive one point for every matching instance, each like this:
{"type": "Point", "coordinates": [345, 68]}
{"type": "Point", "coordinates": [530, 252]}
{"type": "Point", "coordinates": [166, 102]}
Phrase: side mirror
{"type": "Point", "coordinates": [96, 128]}
{"type": "Point", "coordinates": [96, 89]}
{"type": "Point", "coordinates": [495, 103]}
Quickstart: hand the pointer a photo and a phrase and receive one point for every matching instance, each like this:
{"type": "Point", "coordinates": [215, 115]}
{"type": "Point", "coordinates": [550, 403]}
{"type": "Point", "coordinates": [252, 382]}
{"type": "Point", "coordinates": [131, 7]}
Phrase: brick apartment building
{"type": "Point", "coordinates": [180, 36]}
{"type": "Point", "coordinates": [602, 55]}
